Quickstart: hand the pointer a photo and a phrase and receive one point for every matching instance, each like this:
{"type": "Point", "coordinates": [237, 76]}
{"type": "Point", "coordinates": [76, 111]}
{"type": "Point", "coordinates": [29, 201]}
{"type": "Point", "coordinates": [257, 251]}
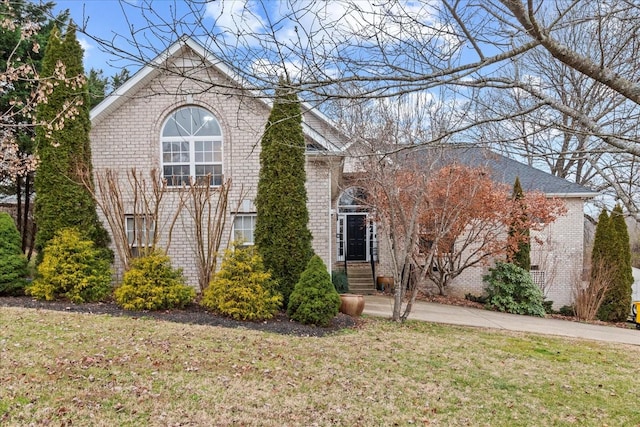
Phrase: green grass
{"type": "Point", "coordinates": [63, 368]}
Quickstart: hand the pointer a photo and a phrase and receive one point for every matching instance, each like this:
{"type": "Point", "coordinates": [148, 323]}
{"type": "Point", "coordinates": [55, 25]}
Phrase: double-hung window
{"type": "Point", "coordinates": [244, 226]}
{"type": "Point", "coordinates": [192, 148]}
{"type": "Point", "coordinates": [140, 230]}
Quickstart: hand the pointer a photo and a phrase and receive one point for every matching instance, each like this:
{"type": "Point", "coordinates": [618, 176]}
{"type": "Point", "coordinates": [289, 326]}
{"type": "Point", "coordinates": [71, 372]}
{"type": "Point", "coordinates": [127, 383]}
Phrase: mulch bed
{"type": "Point", "coordinates": [193, 314]}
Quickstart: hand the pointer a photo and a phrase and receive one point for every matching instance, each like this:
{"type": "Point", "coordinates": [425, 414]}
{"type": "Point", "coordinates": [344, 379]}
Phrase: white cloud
{"type": "Point", "coordinates": [86, 46]}
{"type": "Point", "coordinates": [236, 16]}
{"type": "Point", "coordinates": [269, 70]}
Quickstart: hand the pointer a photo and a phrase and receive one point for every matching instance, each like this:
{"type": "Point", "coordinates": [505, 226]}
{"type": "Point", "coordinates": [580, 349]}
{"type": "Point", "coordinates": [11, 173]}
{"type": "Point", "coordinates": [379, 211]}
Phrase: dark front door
{"type": "Point", "coordinates": [356, 237]}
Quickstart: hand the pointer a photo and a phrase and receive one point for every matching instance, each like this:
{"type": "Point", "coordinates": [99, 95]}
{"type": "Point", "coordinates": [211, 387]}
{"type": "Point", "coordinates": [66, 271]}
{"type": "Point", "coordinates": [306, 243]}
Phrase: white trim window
{"type": "Point", "coordinates": [244, 226]}
{"type": "Point", "coordinates": [191, 146]}
{"type": "Point", "coordinates": [140, 230]}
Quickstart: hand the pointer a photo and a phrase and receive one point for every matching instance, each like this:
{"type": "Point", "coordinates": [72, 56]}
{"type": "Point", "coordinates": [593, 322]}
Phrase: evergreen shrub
{"type": "Point", "coordinates": [72, 268]}
{"type": "Point", "coordinates": [153, 284]}
{"type": "Point", "coordinates": [282, 234]}
{"type": "Point", "coordinates": [615, 253]}
{"type": "Point", "coordinates": [314, 299]}
{"type": "Point", "coordinates": [242, 289]}
{"type": "Point", "coordinates": [511, 290]}
{"type": "Point", "coordinates": [13, 263]}
{"type": "Point", "coordinates": [340, 281]}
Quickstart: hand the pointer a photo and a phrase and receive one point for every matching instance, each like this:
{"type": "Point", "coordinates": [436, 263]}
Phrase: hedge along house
{"type": "Point", "coordinates": [188, 117]}
{"type": "Point", "coordinates": [556, 263]}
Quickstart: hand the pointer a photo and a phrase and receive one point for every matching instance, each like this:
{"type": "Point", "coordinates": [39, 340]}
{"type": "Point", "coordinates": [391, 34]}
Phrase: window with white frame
{"type": "Point", "coordinates": [139, 230]}
{"type": "Point", "coordinates": [244, 226]}
{"type": "Point", "coordinates": [191, 147]}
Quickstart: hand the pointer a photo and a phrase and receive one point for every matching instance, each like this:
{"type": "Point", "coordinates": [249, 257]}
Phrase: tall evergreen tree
{"type": "Point", "coordinates": [282, 235]}
{"type": "Point", "coordinates": [17, 50]}
{"type": "Point", "coordinates": [617, 302]}
{"type": "Point", "coordinates": [522, 255]}
{"type": "Point", "coordinates": [602, 256]}
{"type": "Point", "coordinates": [62, 200]}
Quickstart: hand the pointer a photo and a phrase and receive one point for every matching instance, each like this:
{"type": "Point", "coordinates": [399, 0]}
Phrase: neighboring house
{"type": "Point", "coordinates": [635, 288]}
{"type": "Point", "coordinates": [188, 116]}
{"type": "Point", "coordinates": [9, 204]}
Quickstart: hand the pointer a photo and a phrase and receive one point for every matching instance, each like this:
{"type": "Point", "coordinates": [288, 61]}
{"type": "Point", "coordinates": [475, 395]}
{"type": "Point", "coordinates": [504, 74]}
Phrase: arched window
{"type": "Point", "coordinates": [353, 199]}
{"type": "Point", "coordinates": [191, 147]}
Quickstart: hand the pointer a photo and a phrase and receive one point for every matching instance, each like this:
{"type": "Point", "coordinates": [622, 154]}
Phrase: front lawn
{"type": "Point", "coordinates": [61, 368]}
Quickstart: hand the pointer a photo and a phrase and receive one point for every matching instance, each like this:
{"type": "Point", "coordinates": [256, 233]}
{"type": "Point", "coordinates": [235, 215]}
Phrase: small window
{"type": "Point", "coordinates": [192, 148]}
{"type": "Point", "coordinates": [243, 228]}
{"type": "Point", "coordinates": [538, 277]}
{"type": "Point", "coordinates": [140, 230]}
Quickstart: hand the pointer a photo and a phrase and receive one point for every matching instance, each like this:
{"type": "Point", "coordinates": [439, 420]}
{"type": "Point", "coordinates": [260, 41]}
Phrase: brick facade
{"type": "Point", "coordinates": [129, 137]}
{"type": "Point", "coordinates": [557, 262]}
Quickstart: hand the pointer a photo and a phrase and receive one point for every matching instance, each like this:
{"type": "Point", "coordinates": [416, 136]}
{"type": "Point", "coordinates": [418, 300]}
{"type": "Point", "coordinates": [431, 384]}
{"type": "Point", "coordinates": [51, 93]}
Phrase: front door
{"type": "Point", "coordinates": [356, 237]}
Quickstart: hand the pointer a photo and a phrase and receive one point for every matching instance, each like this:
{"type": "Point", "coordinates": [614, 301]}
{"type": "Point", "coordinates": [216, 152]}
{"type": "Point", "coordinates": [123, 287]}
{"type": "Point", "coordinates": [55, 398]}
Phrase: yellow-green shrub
{"type": "Point", "coordinates": [152, 284]}
{"type": "Point", "coordinates": [72, 268]}
{"type": "Point", "coordinates": [242, 289]}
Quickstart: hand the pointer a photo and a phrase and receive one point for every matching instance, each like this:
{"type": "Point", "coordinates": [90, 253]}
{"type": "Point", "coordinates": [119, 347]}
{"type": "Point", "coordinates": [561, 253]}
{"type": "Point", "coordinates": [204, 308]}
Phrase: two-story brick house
{"type": "Point", "coordinates": [187, 116]}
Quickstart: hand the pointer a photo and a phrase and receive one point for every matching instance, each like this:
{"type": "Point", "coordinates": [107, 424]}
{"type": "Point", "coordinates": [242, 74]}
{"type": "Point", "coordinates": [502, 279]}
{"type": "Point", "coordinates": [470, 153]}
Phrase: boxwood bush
{"type": "Point", "coordinates": [314, 299]}
{"type": "Point", "coordinates": [152, 284]}
{"type": "Point", "coordinates": [242, 289]}
{"type": "Point", "coordinates": [13, 263]}
{"type": "Point", "coordinates": [72, 268]}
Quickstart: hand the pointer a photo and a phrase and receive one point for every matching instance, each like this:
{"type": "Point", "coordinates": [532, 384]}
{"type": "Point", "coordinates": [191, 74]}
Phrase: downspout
{"type": "Point", "coordinates": [330, 266]}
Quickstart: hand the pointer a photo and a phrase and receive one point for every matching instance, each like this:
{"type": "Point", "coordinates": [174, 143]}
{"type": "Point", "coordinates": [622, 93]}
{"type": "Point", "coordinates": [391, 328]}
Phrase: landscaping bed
{"type": "Point", "coordinates": [193, 314]}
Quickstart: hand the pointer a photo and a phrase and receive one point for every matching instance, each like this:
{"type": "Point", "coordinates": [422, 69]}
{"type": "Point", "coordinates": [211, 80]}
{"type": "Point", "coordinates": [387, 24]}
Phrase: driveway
{"type": "Point", "coordinates": [382, 306]}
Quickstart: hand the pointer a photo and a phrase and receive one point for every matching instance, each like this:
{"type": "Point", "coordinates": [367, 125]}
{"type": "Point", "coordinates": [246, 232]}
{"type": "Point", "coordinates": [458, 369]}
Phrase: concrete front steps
{"type": "Point", "coordinates": [360, 278]}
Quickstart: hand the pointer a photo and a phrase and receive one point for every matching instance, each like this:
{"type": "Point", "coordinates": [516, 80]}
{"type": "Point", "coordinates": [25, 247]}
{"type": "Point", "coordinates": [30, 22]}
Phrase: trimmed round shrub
{"type": "Point", "coordinates": [13, 263]}
{"type": "Point", "coordinates": [314, 299]}
{"type": "Point", "coordinates": [73, 269]}
{"type": "Point", "coordinates": [152, 284]}
{"type": "Point", "coordinates": [511, 290]}
{"type": "Point", "coordinates": [242, 289]}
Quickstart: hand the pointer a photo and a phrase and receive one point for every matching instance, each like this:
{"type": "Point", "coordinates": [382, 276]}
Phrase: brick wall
{"type": "Point", "coordinates": [559, 259]}
{"type": "Point", "coordinates": [130, 137]}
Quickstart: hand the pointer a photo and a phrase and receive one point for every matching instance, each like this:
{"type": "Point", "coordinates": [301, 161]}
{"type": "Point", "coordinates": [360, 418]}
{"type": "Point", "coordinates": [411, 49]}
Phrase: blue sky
{"type": "Point", "coordinates": [106, 19]}
{"type": "Point", "coordinates": [103, 18]}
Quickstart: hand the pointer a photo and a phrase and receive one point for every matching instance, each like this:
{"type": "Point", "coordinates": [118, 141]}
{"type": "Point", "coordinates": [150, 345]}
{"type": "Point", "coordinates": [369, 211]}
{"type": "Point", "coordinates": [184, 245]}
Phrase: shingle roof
{"type": "Point", "coordinates": [505, 170]}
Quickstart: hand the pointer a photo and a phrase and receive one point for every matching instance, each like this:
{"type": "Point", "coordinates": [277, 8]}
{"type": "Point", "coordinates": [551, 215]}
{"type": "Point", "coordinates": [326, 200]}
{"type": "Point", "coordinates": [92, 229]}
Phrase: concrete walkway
{"type": "Point", "coordinates": [382, 306]}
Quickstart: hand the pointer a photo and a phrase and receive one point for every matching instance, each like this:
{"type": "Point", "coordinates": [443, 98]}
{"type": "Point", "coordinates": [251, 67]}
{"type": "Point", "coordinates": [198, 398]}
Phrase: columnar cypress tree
{"type": "Point", "coordinates": [617, 302]}
{"type": "Point", "coordinates": [62, 200]}
{"type": "Point", "coordinates": [602, 257]}
{"type": "Point", "coordinates": [282, 235]}
{"type": "Point", "coordinates": [522, 255]}
{"type": "Point", "coordinates": [16, 51]}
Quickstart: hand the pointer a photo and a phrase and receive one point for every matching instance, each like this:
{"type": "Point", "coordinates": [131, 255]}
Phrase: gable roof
{"type": "Point", "coordinates": [505, 170]}
{"type": "Point", "coordinates": [175, 51]}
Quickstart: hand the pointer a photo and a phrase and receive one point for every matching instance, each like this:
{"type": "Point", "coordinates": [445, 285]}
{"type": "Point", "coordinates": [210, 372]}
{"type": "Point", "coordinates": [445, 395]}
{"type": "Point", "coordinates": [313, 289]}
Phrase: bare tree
{"type": "Point", "coordinates": [207, 208]}
{"type": "Point", "coordinates": [348, 49]}
{"type": "Point", "coordinates": [589, 296]}
{"type": "Point", "coordinates": [135, 212]}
